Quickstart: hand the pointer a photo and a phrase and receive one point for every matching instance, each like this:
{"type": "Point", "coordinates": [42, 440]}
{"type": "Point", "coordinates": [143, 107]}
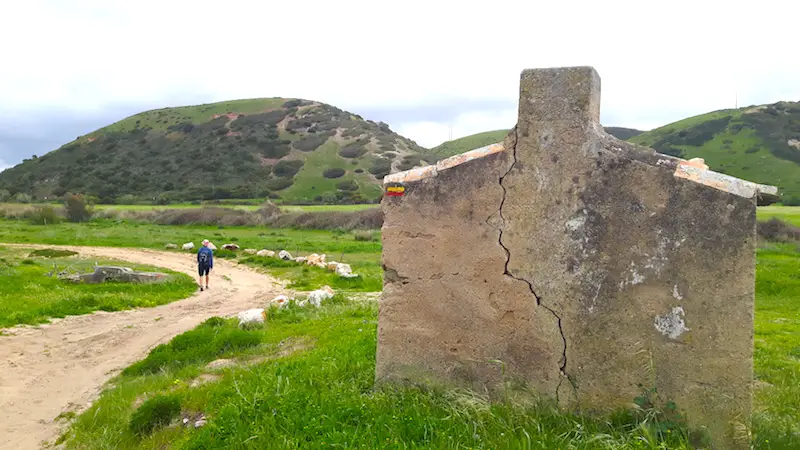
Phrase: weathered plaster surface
{"type": "Point", "coordinates": [588, 266]}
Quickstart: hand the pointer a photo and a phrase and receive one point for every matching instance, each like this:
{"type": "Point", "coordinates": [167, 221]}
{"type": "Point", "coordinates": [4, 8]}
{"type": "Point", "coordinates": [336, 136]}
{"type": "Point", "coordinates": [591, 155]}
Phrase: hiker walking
{"type": "Point", "coordinates": [205, 262]}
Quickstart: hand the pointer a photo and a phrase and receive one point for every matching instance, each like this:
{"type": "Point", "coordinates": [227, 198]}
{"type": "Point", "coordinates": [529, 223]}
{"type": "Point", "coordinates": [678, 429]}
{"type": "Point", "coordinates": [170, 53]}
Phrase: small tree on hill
{"type": "Point", "coordinates": [77, 208]}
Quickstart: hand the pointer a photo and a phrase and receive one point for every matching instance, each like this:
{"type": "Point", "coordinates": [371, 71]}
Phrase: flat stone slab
{"type": "Point", "coordinates": [102, 274]}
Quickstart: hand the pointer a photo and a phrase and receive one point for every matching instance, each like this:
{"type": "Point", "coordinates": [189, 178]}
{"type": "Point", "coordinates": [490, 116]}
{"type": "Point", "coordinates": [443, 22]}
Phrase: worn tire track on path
{"type": "Point", "coordinates": [62, 366]}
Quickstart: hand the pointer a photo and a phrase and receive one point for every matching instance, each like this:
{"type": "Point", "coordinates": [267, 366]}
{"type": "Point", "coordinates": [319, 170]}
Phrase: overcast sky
{"type": "Point", "coordinates": [71, 66]}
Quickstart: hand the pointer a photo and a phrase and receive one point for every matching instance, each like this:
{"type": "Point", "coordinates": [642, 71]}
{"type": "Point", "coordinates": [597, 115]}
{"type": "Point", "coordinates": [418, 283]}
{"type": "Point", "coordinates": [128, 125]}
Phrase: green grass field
{"type": "Point", "coordinates": [788, 214]}
{"type": "Point", "coordinates": [363, 256]}
{"type": "Point", "coordinates": [29, 296]}
{"type": "Point", "coordinates": [252, 206]}
{"type": "Point", "coordinates": [306, 379]}
{"type": "Point", "coordinates": [322, 396]}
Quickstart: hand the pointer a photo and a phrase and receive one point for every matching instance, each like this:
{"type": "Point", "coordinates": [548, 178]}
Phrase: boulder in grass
{"type": "Point", "coordinates": [252, 317]}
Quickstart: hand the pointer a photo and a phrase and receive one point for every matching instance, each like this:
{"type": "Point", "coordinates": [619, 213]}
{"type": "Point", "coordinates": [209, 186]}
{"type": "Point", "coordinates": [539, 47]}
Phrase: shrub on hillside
{"type": "Point", "coordinates": [348, 185]}
{"type": "Point", "coordinates": [156, 412]}
{"type": "Point", "coordinates": [777, 230]}
{"type": "Point", "coordinates": [353, 150]}
{"type": "Point", "coordinates": [277, 184]}
{"type": "Point", "coordinates": [273, 149]}
{"type": "Point", "coordinates": [77, 209]}
{"type": "Point", "coordinates": [310, 143]}
{"type": "Point", "coordinates": [380, 167]}
{"type": "Point", "coordinates": [287, 168]}
{"type": "Point", "coordinates": [333, 172]}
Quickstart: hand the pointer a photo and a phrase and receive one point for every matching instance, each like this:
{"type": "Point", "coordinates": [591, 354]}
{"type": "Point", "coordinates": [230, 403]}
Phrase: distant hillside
{"type": "Point", "coordinates": [623, 133]}
{"type": "Point", "coordinates": [757, 143]}
{"type": "Point", "coordinates": [468, 143]}
{"type": "Point", "coordinates": [479, 140]}
{"type": "Point", "coordinates": [298, 151]}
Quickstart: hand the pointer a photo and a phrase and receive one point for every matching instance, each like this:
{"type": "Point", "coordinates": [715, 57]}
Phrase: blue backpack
{"type": "Point", "coordinates": [202, 258]}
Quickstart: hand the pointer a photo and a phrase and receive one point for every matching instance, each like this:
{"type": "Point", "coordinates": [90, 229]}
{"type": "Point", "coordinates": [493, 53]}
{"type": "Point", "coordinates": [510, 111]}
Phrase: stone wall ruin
{"type": "Point", "coordinates": [589, 268]}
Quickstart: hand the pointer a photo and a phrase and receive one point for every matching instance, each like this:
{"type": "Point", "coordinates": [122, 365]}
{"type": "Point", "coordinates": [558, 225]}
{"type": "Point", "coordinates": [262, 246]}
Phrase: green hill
{"type": "Point", "coordinates": [623, 133]}
{"type": "Point", "coordinates": [298, 151]}
{"type": "Point", "coordinates": [479, 140]}
{"type": "Point", "coordinates": [468, 143]}
{"type": "Point", "coordinates": [757, 143]}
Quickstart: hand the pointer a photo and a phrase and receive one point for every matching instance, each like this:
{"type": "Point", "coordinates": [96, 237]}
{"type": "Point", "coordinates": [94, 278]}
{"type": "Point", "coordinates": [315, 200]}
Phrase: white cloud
{"type": "Point", "coordinates": [430, 134]}
{"type": "Point", "coordinates": [659, 61]}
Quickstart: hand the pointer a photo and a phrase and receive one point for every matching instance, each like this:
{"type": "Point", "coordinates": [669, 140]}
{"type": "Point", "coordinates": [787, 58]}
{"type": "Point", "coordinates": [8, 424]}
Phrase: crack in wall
{"type": "Point", "coordinates": [563, 366]}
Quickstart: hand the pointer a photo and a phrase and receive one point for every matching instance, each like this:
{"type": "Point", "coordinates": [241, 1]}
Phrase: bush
{"type": "Point", "coordinates": [779, 231]}
{"type": "Point", "coordinates": [354, 150]}
{"type": "Point", "coordinates": [205, 216]}
{"type": "Point", "coordinates": [359, 170]}
{"type": "Point", "coordinates": [22, 198]}
{"type": "Point", "coordinates": [380, 167]}
{"type": "Point", "coordinates": [334, 172]}
{"type": "Point", "coordinates": [368, 219]}
{"type": "Point", "coordinates": [156, 412]}
{"type": "Point", "coordinates": [77, 209]}
{"type": "Point", "coordinates": [52, 253]}
{"type": "Point", "coordinates": [44, 215]}
{"type": "Point", "coordinates": [364, 236]}
{"type": "Point", "coordinates": [273, 149]}
{"type": "Point", "coordinates": [277, 184]}
{"type": "Point", "coordinates": [268, 209]}
{"type": "Point", "coordinates": [348, 185]}
{"type": "Point", "coordinates": [287, 168]}
{"type": "Point", "coordinates": [310, 143]}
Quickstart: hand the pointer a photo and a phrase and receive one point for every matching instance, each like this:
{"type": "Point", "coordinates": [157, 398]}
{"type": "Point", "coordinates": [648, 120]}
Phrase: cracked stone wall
{"type": "Point", "coordinates": [588, 268]}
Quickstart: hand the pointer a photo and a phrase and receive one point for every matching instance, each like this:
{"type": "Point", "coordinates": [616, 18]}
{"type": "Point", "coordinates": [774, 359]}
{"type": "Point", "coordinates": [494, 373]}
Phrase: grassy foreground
{"type": "Point", "coordinates": [306, 381]}
{"type": "Point", "coordinates": [29, 296]}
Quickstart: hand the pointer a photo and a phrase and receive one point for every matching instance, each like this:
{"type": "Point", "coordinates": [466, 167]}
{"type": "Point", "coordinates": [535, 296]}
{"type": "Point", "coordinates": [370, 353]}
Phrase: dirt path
{"type": "Point", "coordinates": [49, 369]}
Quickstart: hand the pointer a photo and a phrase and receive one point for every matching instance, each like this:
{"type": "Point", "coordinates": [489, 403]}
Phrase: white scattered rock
{"type": "Point", "coordinates": [265, 252]}
{"type": "Point", "coordinates": [188, 246]}
{"type": "Point", "coordinates": [220, 364]}
{"type": "Point", "coordinates": [185, 420]}
{"type": "Point", "coordinates": [331, 266]}
{"type": "Point", "coordinates": [316, 298]}
{"type": "Point", "coordinates": [284, 255]}
{"type": "Point", "coordinates": [230, 247]}
{"type": "Point", "coordinates": [200, 422]}
{"type": "Point", "coordinates": [211, 245]}
{"type": "Point", "coordinates": [171, 246]}
{"type": "Point", "coordinates": [300, 259]}
{"type": "Point", "coordinates": [251, 317]}
{"type": "Point", "coordinates": [250, 251]}
{"type": "Point", "coordinates": [282, 301]}
{"type": "Point", "coordinates": [203, 379]}
{"type": "Point", "coordinates": [316, 260]}
{"type": "Point", "coordinates": [344, 271]}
